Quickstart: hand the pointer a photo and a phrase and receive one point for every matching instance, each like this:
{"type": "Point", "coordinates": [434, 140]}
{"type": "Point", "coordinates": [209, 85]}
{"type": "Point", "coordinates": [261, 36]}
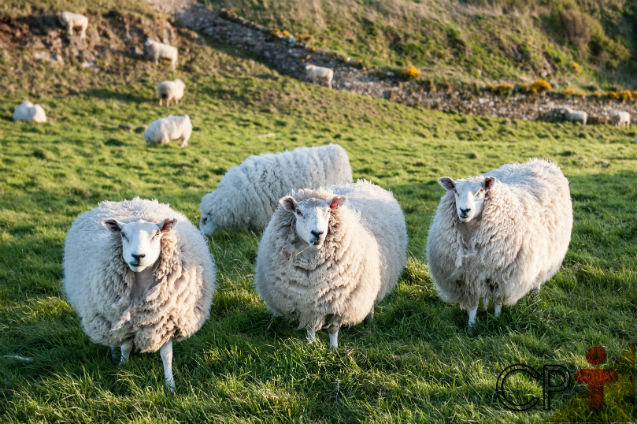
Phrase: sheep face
{"type": "Point", "coordinates": [469, 195]}
{"type": "Point", "coordinates": [206, 224]}
{"type": "Point", "coordinates": [141, 241]}
{"type": "Point", "coordinates": [312, 217]}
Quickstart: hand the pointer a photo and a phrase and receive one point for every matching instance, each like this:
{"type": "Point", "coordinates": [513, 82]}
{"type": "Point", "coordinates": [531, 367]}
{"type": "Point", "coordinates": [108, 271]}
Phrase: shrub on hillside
{"type": "Point", "coordinates": [410, 72]}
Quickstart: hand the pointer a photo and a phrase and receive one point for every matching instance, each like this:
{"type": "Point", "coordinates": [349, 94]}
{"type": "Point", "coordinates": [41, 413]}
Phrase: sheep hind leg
{"type": "Point", "coordinates": [333, 331]}
{"type": "Point", "coordinates": [485, 302]}
{"type": "Point", "coordinates": [166, 353]}
{"type": "Point", "coordinates": [114, 353]}
{"type": "Point", "coordinates": [311, 335]}
{"type": "Point", "coordinates": [126, 347]}
{"type": "Point", "coordinates": [472, 315]}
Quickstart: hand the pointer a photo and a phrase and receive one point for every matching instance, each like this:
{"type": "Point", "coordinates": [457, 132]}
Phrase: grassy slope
{"type": "Point", "coordinates": [415, 361]}
{"type": "Point", "coordinates": [448, 39]}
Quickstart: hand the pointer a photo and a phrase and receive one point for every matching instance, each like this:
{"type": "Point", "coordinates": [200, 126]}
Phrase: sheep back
{"type": "Point", "coordinates": [99, 284]}
{"type": "Point", "coordinates": [360, 261]}
{"type": "Point", "coordinates": [248, 194]}
{"type": "Point", "coordinates": [517, 244]}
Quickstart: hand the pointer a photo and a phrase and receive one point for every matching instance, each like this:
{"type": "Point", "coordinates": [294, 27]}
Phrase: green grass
{"type": "Point", "coordinates": [414, 363]}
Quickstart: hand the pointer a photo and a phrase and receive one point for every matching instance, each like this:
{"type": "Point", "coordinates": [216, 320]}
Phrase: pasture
{"type": "Point", "coordinates": [415, 362]}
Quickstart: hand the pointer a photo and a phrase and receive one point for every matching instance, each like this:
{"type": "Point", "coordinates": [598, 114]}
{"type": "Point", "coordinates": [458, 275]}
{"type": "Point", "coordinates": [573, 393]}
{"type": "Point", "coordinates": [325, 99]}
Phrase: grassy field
{"type": "Point", "coordinates": [414, 363]}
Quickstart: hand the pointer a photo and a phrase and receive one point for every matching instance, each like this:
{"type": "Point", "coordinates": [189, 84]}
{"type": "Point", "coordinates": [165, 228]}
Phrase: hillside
{"type": "Point", "coordinates": [485, 41]}
{"type": "Point", "coordinates": [416, 361]}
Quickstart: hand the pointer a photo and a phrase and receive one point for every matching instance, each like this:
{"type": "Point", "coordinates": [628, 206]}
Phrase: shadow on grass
{"type": "Point", "coordinates": [109, 94]}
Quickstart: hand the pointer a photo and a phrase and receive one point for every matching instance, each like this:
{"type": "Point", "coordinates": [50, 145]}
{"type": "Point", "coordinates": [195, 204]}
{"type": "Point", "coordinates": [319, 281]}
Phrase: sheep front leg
{"type": "Point", "coordinates": [472, 315]}
{"type": "Point", "coordinates": [166, 353]}
{"type": "Point", "coordinates": [114, 354]}
{"type": "Point", "coordinates": [498, 309]}
{"type": "Point", "coordinates": [333, 336]}
{"type": "Point", "coordinates": [126, 350]}
{"type": "Point", "coordinates": [311, 335]}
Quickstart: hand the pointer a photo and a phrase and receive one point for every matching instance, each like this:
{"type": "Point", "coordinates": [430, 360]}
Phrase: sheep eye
{"type": "Point", "coordinates": [298, 212]}
{"type": "Point", "coordinates": [155, 234]}
{"type": "Point", "coordinates": [124, 236]}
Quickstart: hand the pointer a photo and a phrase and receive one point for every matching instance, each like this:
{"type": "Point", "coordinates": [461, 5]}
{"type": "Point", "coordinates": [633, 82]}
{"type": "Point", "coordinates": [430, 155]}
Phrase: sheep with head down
{"type": "Point", "coordinates": [138, 274]}
{"type": "Point", "coordinates": [499, 235]}
{"type": "Point", "coordinates": [329, 255]}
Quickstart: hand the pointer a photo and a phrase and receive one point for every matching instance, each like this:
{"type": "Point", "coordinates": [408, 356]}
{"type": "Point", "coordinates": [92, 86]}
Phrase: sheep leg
{"type": "Point", "coordinates": [333, 331]}
{"type": "Point", "coordinates": [472, 316]}
{"type": "Point", "coordinates": [126, 350]}
{"type": "Point", "coordinates": [184, 143]}
{"type": "Point", "coordinates": [369, 316]}
{"type": "Point", "coordinates": [114, 354]}
{"type": "Point", "coordinates": [311, 335]}
{"type": "Point", "coordinates": [498, 309]}
{"type": "Point", "coordinates": [485, 302]}
{"type": "Point", "coordinates": [166, 353]}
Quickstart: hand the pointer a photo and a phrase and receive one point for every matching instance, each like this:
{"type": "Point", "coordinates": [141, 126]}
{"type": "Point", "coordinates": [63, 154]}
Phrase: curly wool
{"type": "Point", "coordinates": [249, 193]}
{"type": "Point", "coordinates": [359, 264]}
{"type": "Point", "coordinates": [100, 286]}
{"type": "Point", "coordinates": [517, 244]}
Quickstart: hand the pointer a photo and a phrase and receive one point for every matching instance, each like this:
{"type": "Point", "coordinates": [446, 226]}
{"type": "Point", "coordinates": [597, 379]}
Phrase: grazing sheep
{"type": "Point", "coordinates": [318, 73]}
{"type": "Point", "coordinates": [72, 20]}
{"type": "Point", "coordinates": [139, 275]}
{"type": "Point", "coordinates": [157, 50]}
{"type": "Point", "coordinates": [575, 115]}
{"type": "Point", "coordinates": [249, 193]}
{"type": "Point", "coordinates": [170, 90]}
{"type": "Point", "coordinates": [164, 130]}
{"type": "Point", "coordinates": [500, 234]}
{"type": "Point", "coordinates": [328, 256]}
{"type": "Point", "coordinates": [620, 118]}
{"type": "Point", "coordinates": [29, 112]}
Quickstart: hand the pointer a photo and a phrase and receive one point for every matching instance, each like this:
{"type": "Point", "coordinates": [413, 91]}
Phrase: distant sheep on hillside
{"type": "Point", "coordinates": [164, 130]}
{"type": "Point", "coordinates": [575, 115]}
{"type": "Point", "coordinates": [29, 112]}
{"type": "Point", "coordinates": [72, 20]}
{"type": "Point", "coordinates": [170, 90]}
{"type": "Point", "coordinates": [156, 50]}
{"type": "Point", "coordinates": [318, 73]}
{"type": "Point", "coordinates": [620, 118]}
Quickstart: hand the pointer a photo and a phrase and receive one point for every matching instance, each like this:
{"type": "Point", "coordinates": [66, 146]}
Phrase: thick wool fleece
{"type": "Point", "coordinates": [100, 286]}
{"type": "Point", "coordinates": [249, 193]}
{"type": "Point", "coordinates": [517, 243]}
{"type": "Point", "coordinates": [359, 264]}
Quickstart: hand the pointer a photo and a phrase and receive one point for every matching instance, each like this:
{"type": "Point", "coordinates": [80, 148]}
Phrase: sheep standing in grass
{"type": "Point", "coordinates": [620, 118]}
{"type": "Point", "coordinates": [164, 130]}
{"type": "Point", "coordinates": [29, 112]}
{"type": "Point", "coordinates": [328, 256]}
{"type": "Point", "coordinates": [156, 50]}
{"type": "Point", "coordinates": [72, 20]}
{"type": "Point", "coordinates": [249, 193]}
{"type": "Point", "coordinates": [575, 115]}
{"type": "Point", "coordinates": [170, 90]}
{"type": "Point", "coordinates": [318, 73]}
{"type": "Point", "coordinates": [139, 275]}
{"type": "Point", "coordinates": [500, 234]}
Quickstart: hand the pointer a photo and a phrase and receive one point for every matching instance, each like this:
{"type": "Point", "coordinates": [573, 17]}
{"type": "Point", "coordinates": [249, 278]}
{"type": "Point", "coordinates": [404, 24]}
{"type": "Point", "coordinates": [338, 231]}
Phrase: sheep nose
{"type": "Point", "coordinates": [316, 233]}
{"type": "Point", "coordinates": [203, 220]}
{"type": "Point", "coordinates": [138, 257]}
{"type": "Point", "coordinates": [465, 211]}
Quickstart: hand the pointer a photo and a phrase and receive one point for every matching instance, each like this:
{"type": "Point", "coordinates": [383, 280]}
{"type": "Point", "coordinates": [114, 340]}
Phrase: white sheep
{"type": "Point", "coordinates": [139, 274]}
{"type": "Point", "coordinates": [164, 130]}
{"type": "Point", "coordinates": [157, 50]}
{"type": "Point", "coordinates": [319, 73]}
{"type": "Point", "coordinates": [72, 20]}
{"type": "Point", "coordinates": [26, 111]}
{"type": "Point", "coordinates": [620, 118]}
{"type": "Point", "coordinates": [170, 90]}
{"type": "Point", "coordinates": [249, 193]}
{"type": "Point", "coordinates": [328, 256]}
{"type": "Point", "coordinates": [500, 234]}
{"type": "Point", "coordinates": [575, 115]}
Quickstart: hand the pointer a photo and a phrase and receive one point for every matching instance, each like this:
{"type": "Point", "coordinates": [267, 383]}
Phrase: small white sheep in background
{"type": "Point", "coordinates": [157, 50]}
{"type": "Point", "coordinates": [164, 130]}
{"type": "Point", "coordinates": [138, 274]}
{"type": "Point", "coordinates": [500, 234]}
{"type": "Point", "coordinates": [328, 256]}
{"type": "Point", "coordinates": [249, 193]}
{"type": "Point", "coordinates": [620, 118]}
{"type": "Point", "coordinates": [170, 90]}
{"type": "Point", "coordinates": [318, 73]}
{"type": "Point", "coordinates": [72, 20]}
{"type": "Point", "coordinates": [29, 112]}
{"type": "Point", "coordinates": [575, 115]}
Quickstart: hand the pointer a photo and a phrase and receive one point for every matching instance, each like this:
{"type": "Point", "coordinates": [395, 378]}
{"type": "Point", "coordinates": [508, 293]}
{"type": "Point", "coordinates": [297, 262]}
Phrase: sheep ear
{"type": "Point", "coordinates": [166, 225]}
{"type": "Point", "coordinates": [288, 203]}
{"type": "Point", "coordinates": [488, 182]}
{"type": "Point", "coordinates": [336, 202]}
{"type": "Point", "coordinates": [447, 183]}
{"type": "Point", "coordinates": [113, 225]}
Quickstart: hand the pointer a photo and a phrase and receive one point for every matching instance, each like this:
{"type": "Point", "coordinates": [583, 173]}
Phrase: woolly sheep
{"type": "Point", "coordinates": [157, 50]}
{"type": "Point", "coordinates": [170, 128]}
{"type": "Point", "coordinates": [620, 118]}
{"type": "Point", "coordinates": [170, 90]}
{"type": "Point", "coordinates": [500, 234]}
{"type": "Point", "coordinates": [249, 193]}
{"type": "Point", "coordinates": [575, 115]}
{"type": "Point", "coordinates": [331, 255]}
{"type": "Point", "coordinates": [29, 112]}
{"type": "Point", "coordinates": [72, 20]}
{"type": "Point", "coordinates": [319, 73]}
{"type": "Point", "coordinates": [138, 274]}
